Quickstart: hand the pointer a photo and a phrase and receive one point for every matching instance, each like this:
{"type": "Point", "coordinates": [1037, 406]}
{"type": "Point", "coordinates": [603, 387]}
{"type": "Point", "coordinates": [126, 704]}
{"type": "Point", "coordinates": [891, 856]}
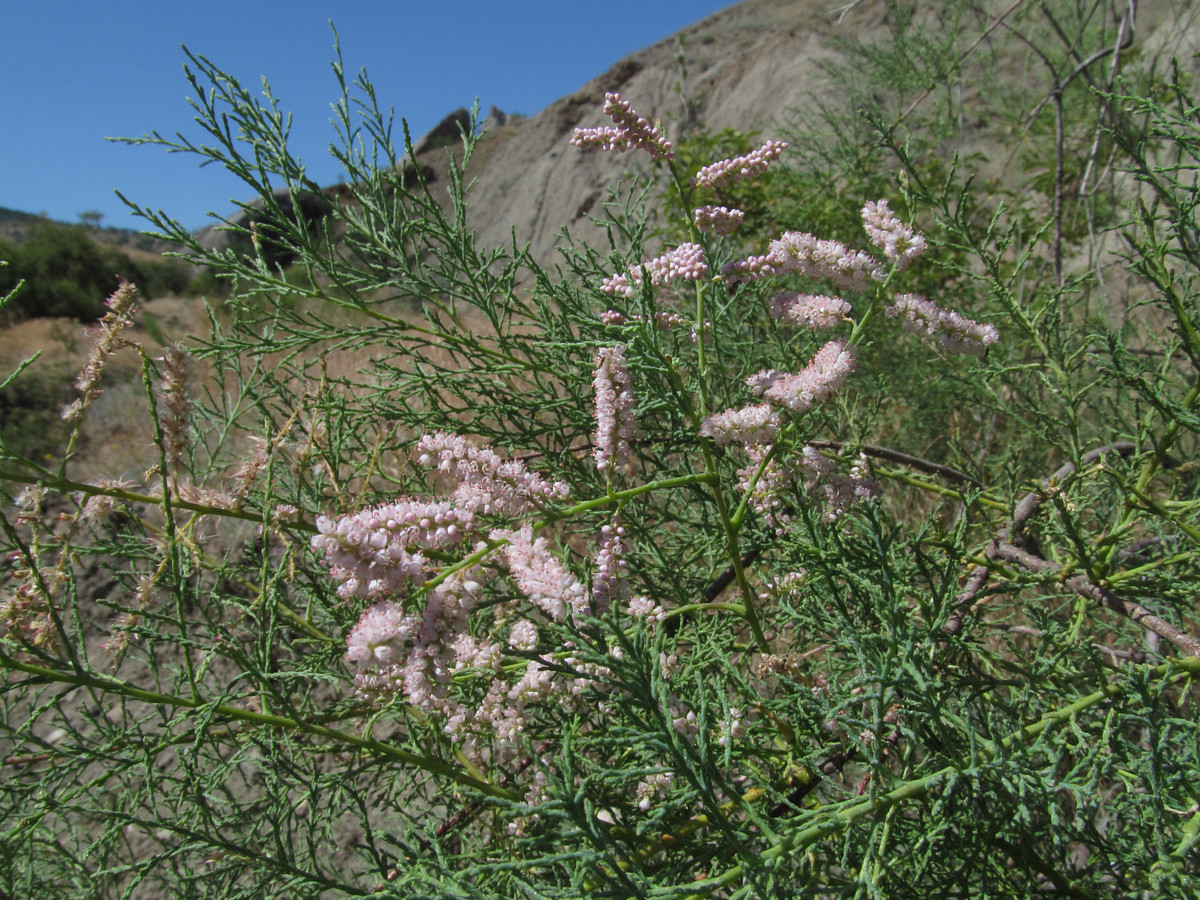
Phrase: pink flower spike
{"type": "Point", "coordinates": [797, 251]}
{"type": "Point", "coordinates": [375, 552]}
{"type": "Point", "coordinates": [825, 373]}
{"type": "Point", "coordinates": [809, 310]}
{"type": "Point", "coordinates": [750, 269]}
{"type": "Point", "coordinates": [686, 261]}
{"type": "Point", "coordinates": [539, 574]}
{"type": "Point", "coordinates": [609, 583]}
{"type": "Point", "coordinates": [954, 332]}
{"type": "Point", "coordinates": [890, 235]}
{"type": "Point", "coordinates": [751, 165]}
{"type": "Point", "coordinates": [717, 219]}
{"type": "Point", "coordinates": [488, 483]}
{"type": "Point", "coordinates": [749, 425]}
{"type": "Point", "coordinates": [616, 422]}
{"type": "Point", "coordinates": [630, 131]}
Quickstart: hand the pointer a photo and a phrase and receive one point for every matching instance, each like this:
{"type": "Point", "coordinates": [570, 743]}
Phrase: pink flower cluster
{"type": "Point", "coordinates": [954, 332]}
{"type": "Point", "coordinates": [616, 422]}
{"type": "Point", "coordinates": [662, 319]}
{"type": "Point", "coordinates": [839, 492]}
{"type": "Point", "coordinates": [751, 165]}
{"type": "Point", "coordinates": [540, 575]}
{"type": "Point", "coordinates": [642, 607]}
{"type": "Point", "coordinates": [825, 373]}
{"type": "Point", "coordinates": [751, 268]}
{"type": "Point", "coordinates": [813, 311]}
{"type": "Point", "coordinates": [717, 219]}
{"type": "Point", "coordinates": [652, 787]}
{"type": "Point", "coordinates": [812, 257]}
{"type": "Point", "coordinates": [890, 235]}
{"type": "Point", "coordinates": [629, 130]}
{"type": "Point", "coordinates": [749, 425]}
{"type": "Point", "coordinates": [416, 654]}
{"type": "Point", "coordinates": [412, 647]}
{"type": "Point", "coordinates": [685, 261]}
{"type": "Point", "coordinates": [609, 585]}
{"type": "Point", "coordinates": [488, 483]}
{"type": "Point", "coordinates": [375, 552]}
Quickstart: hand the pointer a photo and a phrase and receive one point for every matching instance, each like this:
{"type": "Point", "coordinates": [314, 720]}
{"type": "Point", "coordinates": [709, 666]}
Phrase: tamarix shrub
{"type": "Point", "coordinates": [455, 578]}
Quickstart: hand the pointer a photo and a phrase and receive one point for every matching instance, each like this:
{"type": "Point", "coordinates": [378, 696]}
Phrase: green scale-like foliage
{"type": "Point", "coordinates": [976, 682]}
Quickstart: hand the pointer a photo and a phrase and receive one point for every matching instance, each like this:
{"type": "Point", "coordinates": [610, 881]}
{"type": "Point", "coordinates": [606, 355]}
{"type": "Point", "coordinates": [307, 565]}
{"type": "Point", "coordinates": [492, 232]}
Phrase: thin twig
{"type": "Point", "coordinates": [1022, 513]}
{"type": "Point", "coordinates": [1030, 502]}
{"type": "Point", "coordinates": [906, 459]}
{"type": "Point", "coordinates": [962, 56]}
{"type": "Point", "coordinates": [1082, 586]}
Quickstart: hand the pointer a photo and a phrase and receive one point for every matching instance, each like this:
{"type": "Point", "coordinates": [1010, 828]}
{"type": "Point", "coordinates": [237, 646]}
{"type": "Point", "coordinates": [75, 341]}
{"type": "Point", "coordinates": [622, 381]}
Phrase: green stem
{"type": "Point", "coordinates": [943, 490]}
{"type": "Point", "coordinates": [840, 816]}
{"type": "Point", "coordinates": [1150, 468]}
{"type": "Point", "coordinates": [66, 485]}
{"type": "Point", "coordinates": [706, 607]}
{"type": "Point", "coordinates": [116, 686]}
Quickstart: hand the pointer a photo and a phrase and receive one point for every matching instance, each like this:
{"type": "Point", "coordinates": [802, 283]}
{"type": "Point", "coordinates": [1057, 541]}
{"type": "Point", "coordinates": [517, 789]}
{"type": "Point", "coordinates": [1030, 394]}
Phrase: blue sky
{"type": "Point", "coordinates": [78, 71]}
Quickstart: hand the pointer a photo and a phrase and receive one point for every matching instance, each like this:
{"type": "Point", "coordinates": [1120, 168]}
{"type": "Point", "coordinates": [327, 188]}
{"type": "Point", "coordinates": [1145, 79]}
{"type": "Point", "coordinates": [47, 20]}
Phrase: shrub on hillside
{"type": "Point", "coordinates": [68, 274]}
{"type": "Point", "coordinates": [857, 565]}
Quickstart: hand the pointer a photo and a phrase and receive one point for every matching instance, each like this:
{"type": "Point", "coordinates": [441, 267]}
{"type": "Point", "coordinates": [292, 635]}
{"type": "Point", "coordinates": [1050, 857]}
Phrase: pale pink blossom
{"type": "Point", "coordinates": [812, 257]}
{"type": "Point", "coordinates": [954, 332]}
{"type": "Point", "coordinates": [651, 787]}
{"type": "Point", "coordinates": [683, 717]}
{"type": "Point", "coordinates": [808, 310]}
{"type": "Point", "coordinates": [837, 492]}
{"type": "Point", "coordinates": [523, 635]}
{"type": "Point", "coordinates": [751, 165]}
{"type": "Point", "coordinates": [641, 607]}
{"type": "Point", "coordinates": [732, 727]}
{"type": "Point", "coordinates": [540, 575]}
{"type": "Point", "coordinates": [629, 130]}
{"type": "Point", "coordinates": [381, 636]}
{"type": "Point", "coordinates": [749, 425]}
{"type": "Point", "coordinates": [686, 261]}
{"type": "Point", "coordinates": [663, 319]}
{"type": "Point", "coordinates": [616, 419]}
{"type": "Point", "coordinates": [751, 268]}
{"type": "Point", "coordinates": [416, 653]}
{"type": "Point", "coordinates": [888, 233]}
{"type": "Point", "coordinates": [717, 219]}
{"type": "Point", "coordinates": [825, 373]}
{"type": "Point", "coordinates": [668, 664]}
{"type": "Point", "coordinates": [609, 584]}
{"type": "Point", "coordinates": [488, 483]}
{"type": "Point", "coordinates": [375, 552]}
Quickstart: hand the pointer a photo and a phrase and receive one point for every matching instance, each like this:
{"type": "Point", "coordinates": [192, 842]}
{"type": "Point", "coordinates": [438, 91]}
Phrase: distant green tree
{"type": "Point", "coordinates": [68, 274]}
{"type": "Point", "coordinates": [65, 274]}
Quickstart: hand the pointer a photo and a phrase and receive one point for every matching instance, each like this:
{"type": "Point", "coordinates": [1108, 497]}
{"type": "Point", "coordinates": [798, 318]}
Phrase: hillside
{"type": "Point", "coordinates": [758, 66]}
{"type": "Point", "coordinates": [767, 67]}
{"type": "Point", "coordinates": [18, 227]}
